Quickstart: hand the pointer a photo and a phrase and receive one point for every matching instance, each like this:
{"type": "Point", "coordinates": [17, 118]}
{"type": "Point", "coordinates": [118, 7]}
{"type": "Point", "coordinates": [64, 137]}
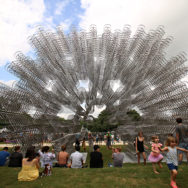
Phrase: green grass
{"type": "Point", "coordinates": [131, 175]}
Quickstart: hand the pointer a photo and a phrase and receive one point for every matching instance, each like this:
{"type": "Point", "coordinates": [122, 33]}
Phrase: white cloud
{"type": "Point", "coordinates": [151, 13]}
{"type": "Point", "coordinates": [97, 110]}
{"type": "Point", "coordinates": [18, 19]}
{"type": "Point", "coordinates": [116, 85]}
{"type": "Point", "coordinates": [65, 112]}
{"type": "Point", "coordinates": [65, 115]}
{"type": "Point", "coordinates": [66, 24]}
{"type": "Point", "coordinates": [9, 83]}
{"type": "Point", "coordinates": [60, 6]}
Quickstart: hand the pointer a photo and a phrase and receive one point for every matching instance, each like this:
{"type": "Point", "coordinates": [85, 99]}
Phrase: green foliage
{"type": "Point", "coordinates": [4, 123]}
{"type": "Point", "coordinates": [134, 115]}
{"type": "Point", "coordinates": [65, 120]}
{"type": "Point", "coordinates": [101, 124]}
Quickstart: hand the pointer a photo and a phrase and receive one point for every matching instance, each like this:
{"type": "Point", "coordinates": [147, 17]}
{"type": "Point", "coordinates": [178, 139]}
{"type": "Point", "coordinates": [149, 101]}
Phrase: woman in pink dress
{"type": "Point", "coordinates": [155, 156]}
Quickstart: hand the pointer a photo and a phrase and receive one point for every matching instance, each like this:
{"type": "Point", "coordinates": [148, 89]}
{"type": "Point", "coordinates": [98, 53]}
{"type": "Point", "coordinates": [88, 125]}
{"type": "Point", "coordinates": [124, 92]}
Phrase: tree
{"type": "Point", "coordinates": [134, 115]}
{"type": "Point", "coordinates": [101, 124]}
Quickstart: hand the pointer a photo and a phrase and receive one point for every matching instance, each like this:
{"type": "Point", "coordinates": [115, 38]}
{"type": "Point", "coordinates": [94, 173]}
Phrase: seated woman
{"type": "Point", "coordinates": [30, 166]}
{"type": "Point", "coordinates": [63, 157]}
{"type": "Point", "coordinates": [117, 157]}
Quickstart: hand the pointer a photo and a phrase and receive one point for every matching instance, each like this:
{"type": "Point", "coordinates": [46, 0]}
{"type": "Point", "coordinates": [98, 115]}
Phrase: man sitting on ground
{"type": "Point", "coordinates": [16, 158]}
{"type": "Point", "coordinates": [63, 157]}
{"type": "Point", "coordinates": [96, 160]}
{"type": "Point", "coordinates": [3, 156]}
{"type": "Point", "coordinates": [77, 158]}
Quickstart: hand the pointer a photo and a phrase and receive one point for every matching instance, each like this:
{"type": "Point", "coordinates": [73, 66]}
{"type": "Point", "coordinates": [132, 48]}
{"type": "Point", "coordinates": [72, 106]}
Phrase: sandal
{"type": "Point", "coordinates": [173, 184]}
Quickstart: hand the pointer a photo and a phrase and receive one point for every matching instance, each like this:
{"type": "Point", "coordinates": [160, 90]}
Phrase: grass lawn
{"type": "Point", "coordinates": [131, 175]}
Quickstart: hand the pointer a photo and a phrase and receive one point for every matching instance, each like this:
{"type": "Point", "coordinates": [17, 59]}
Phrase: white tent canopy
{"type": "Point", "coordinates": [4, 130]}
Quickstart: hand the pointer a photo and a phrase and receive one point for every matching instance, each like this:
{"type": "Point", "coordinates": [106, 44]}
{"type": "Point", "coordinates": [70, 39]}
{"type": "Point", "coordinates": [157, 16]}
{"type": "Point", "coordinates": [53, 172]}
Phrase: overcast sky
{"type": "Point", "coordinates": [19, 19]}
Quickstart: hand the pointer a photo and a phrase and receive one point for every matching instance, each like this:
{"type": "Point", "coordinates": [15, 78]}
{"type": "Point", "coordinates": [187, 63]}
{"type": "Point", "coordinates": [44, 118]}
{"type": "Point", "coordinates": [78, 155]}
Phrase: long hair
{"type": "Point", "coordinates": [30, 153]}
{"type": "Point", "coordinates": [139, 133]}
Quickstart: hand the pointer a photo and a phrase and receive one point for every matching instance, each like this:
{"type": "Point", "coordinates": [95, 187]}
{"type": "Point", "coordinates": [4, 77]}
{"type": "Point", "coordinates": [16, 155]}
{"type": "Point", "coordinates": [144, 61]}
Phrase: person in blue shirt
{"type": "Point", "coordinates": [3, 156]}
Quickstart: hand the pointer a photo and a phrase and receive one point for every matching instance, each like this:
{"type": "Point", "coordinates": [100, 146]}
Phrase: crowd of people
{"type": "Point", "coordinates": [44, 158]}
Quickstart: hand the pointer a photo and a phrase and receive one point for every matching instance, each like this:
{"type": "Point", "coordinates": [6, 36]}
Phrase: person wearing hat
{"type": "Point", "coordinates": [96, 160]}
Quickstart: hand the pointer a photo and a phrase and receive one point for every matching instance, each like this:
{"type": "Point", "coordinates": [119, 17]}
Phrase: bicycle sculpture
{"type": "Point", "coordinates": [50, 81]}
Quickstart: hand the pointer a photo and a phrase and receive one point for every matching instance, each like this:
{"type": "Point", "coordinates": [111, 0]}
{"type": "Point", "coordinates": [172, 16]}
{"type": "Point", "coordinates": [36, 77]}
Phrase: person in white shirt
{"type": "Point", "coordinates": [46, 156]}
{"type": "Point", "coordinates": [77, 158]}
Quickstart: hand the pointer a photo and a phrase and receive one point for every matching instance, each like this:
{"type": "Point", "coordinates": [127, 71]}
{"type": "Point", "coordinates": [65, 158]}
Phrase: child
{"type": "Point", "coordinates": [155, 156]}
{"type": "Point", "coordinates": [47, 170]}
{"type": "Point", "coordinates": [171, 158]}
{"type": "Point", "coordinates": [84, 144]}
{"type": "Point", "coordinates": [140, 147]}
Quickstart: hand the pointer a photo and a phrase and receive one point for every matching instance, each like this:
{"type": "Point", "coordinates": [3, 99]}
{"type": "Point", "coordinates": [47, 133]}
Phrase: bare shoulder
{"type": "Point", "coordinates": [35, 161]}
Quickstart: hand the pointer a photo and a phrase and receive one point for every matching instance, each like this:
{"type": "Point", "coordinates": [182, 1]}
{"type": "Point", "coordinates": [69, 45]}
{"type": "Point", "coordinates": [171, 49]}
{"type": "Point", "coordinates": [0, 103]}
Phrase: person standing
{"type": "Point", "coordinates": [84, 144]}
{"type": "Point", "coordinates": [100, 139]}
{"type": "Point", "coordinates": [155, 157]}
{"type": "Point", "coordinates": [97, 138]}
{"type": "Point", "coordinates": [140, 147]}
{"type": "Point", "coordinates": [16, 158]}
{"type": "Point", "coordinates": [182, 138]}
{"type": "Point", "coordinates": [3, 156]}
{"type": "Point", "coordinates": [96, 160]}
{"type": "Point", "coordinates": [108, 137]}
{"type": "Point", "coordinates": [112, 139]}
{"type": "Point", "coordinates": [90, 140]}
{"type": "Point", "coordinates": [171, 158]}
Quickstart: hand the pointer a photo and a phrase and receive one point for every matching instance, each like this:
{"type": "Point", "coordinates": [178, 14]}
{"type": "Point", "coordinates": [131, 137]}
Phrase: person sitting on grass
{"type": "Point", "coordinates": [96, 160]}
{"type": "Point", "coordinates": [3, 156]}
{"type": "Point", "coordinates": [47, 156]}
{"type": "Point", "coordinates": [172, 159]}
{"type": "Point", "coordinates": [63, 157]}
{"type": "Point", "coordinates": [117, 157]}
{"type": "Point", "coordinates": [30, 166]}
{"type": "Point", "coordinates": [16, 158]}
{"type": "Point", "coordinates": [77, 158]}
